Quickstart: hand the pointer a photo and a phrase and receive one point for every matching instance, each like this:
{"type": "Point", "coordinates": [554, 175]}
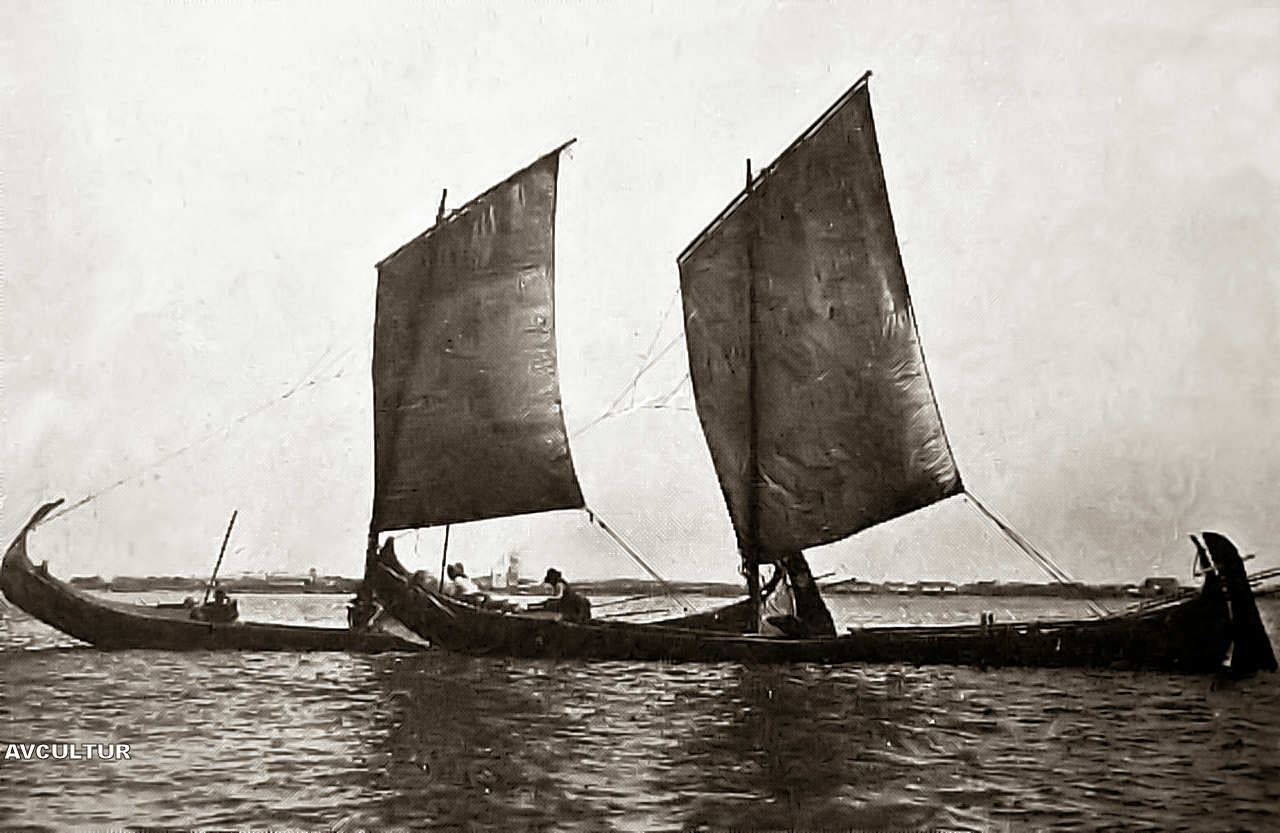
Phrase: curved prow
{"type": "Point", "coordinates": [39, 516]}
{"type": "Point", "coordinates": [18, 544]}
{"type": "Point", "coordinates": [1252, 647]}
{"type": "Point", "coordinates": [386, 556]}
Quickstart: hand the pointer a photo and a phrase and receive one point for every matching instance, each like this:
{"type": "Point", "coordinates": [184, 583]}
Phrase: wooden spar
{"type": "Point", "coordinates": [370, 559]}
{"type": "Point", "coordinates": [751, 547]}
{"type": "Point", "coordinates": [613, 602]}
{"type": "Point", "coordinates": [809, 131]}
{"type": "Point", "coordinates": [221, 552]}
{"type": "Point", "coordinates": [633, 613]}
{"type": "Point", "coordinates": [478, 198]}
{"type": "Point", "coordinates": [444, 556]}
{"type": "Point", "coordinates": [440, 212]}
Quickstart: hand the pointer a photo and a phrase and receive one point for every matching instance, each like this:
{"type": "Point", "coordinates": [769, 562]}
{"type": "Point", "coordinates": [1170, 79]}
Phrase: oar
{"type": "Point", "coordinates": [225, 538]}
{"type": "Point", "coordinates": [613, 602]}
{"type": "Point", "coordinates": [635, 612]}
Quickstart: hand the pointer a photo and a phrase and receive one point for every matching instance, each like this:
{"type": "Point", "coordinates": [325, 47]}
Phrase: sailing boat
{"type": "Point", "coordinates": [813, 396]}
{"type": "Point", "coordinates": [111, 624]}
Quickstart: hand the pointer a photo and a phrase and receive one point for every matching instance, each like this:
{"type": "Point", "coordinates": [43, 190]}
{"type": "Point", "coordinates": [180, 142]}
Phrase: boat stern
{"type": "Point", "coordinates": [1251, 649]}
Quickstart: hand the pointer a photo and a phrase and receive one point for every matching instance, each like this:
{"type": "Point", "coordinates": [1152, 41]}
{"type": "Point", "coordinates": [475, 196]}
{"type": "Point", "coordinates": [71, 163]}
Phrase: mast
{"type": "Point", "coordinates": [751, 551]}
{"type": "Point", "coordinates": [444, 558]}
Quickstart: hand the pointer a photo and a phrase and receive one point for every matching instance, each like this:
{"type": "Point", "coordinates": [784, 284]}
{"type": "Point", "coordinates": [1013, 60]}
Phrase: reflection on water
{"type": "Point", "coordinates": [444, 741]}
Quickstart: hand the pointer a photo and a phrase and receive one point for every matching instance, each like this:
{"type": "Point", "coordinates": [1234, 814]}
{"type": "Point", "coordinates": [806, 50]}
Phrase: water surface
{"type": "Point", "coordinates": [440, 741]}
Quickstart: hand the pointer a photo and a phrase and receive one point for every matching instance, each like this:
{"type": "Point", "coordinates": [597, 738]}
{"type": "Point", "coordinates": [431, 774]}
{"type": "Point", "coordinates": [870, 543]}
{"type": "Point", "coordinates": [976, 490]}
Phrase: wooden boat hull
{"type": "Point", "coordinates": [109, 624]}
{"type": "Point", "coordinates": [1194, 634]}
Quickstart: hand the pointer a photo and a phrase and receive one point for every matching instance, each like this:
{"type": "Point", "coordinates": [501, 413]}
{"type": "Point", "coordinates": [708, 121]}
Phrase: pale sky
{"type": "Point", "coordinates": [1087, 197]}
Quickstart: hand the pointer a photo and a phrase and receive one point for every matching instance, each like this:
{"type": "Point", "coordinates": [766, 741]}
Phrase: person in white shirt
{"type": "Point", "coordinates": [458, 584]}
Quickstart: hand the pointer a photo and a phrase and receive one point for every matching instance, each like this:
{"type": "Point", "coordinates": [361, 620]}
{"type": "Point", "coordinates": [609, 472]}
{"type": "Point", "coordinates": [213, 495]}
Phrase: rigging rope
{"type": "Point", "coordinates": [610, 411]}
{"type": "Point", "coordinates": [1039, 558]}
{"type": "Point", "coordinates": [670, 591]}
{"type": "Point", "coordinates": [647, 360]}
{"type": "Point", "coordinates": [660, 403]}
{"type": "Point", "coordinates": [313, 375]}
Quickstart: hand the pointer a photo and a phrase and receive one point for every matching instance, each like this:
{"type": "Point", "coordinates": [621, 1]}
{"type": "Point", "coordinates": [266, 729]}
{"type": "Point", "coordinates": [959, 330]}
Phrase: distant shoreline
{"type": "Point", "coordinates": [339, 585]}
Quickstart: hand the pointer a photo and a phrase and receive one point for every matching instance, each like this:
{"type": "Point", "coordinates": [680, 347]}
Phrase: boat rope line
{"type": "Point", "coordinates": [658, 403]}
{"type": "Point", "coordinates": [1259, 577]}
{"type": "Point", "coordinates": [662, 322]}
{"type": "Point", "coordinates": [662, 401]}
{"type": "Point", "coordinates": [1042, 560]}
{"type": "Point", "coordinates": [629, 387]}
{"type": "Point", "coordinates": [321, 370]}
{"type": "Point", "coordinates": [670, 591]}
{"type": "Point", "coordinates": [647, 361]}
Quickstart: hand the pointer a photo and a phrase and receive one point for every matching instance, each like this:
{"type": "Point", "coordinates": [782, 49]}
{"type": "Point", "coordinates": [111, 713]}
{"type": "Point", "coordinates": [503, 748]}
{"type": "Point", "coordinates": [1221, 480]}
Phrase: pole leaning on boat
{"type": "Point", "coordinates": [208, 587]}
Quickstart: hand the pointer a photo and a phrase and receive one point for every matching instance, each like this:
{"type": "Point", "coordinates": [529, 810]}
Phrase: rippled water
{"type": "Point", "coordinates": [444, 741]}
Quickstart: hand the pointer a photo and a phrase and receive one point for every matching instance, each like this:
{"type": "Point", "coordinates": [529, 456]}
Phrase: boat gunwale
{"type": "Point", "coordinates": [1042, 627]}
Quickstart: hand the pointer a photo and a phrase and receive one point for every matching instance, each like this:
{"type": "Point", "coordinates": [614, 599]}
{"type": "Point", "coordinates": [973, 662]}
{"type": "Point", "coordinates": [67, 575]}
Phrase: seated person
{"type": "Point", "coordinates": [221, 609]}
{"type": "Point", "coordinates": [569, 603]}
{"type": "Point", "coordinates": [424, 580]}
{"type": "Point", "coordinates": [795, 608]}
{"type": "Point", "coordinates": [461, 587]}
{"type": "Point", "coordinates": [364, 615]}
{"type": "Point", "coordinates": [778, 607]}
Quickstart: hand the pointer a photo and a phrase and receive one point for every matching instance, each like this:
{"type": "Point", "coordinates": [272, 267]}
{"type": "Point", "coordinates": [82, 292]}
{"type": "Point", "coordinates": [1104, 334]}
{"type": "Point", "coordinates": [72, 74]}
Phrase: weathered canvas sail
{"type": "Point", "coordinates": [829, 379]}
{"type": "Point", "coordinates": [467, 418]}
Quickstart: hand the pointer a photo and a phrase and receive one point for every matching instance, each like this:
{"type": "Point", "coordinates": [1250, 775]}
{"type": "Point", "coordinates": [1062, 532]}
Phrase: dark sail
{"type": "Point", "coordinates": [467, 418]}
{"type": "Point", "coordinates": [847, 431]}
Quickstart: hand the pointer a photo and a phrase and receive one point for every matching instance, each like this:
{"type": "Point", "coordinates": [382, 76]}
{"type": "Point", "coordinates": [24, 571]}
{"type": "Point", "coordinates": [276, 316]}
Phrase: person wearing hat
{"type": "Point", "coordinates": [569, 603]}
{"type": "Point", "coordinates": [458, 583]}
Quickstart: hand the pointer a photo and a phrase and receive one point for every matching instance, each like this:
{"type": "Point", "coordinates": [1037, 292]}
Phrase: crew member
{"type": "Point", "coordinates": [569, 603]}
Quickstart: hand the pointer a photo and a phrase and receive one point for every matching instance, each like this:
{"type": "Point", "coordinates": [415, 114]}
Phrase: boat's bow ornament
{"type": "Point", "coordinates": [1250, 646]}
{"type": "Point", "coordinates": [16, 552]}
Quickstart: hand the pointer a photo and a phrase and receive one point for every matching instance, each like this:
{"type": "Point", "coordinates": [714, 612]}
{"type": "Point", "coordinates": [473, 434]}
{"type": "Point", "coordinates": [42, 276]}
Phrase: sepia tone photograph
{"type": "Point", "coordinates": [552, 415]}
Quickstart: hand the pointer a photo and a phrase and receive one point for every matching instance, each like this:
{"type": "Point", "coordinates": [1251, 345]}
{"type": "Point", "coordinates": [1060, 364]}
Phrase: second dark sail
{"type": "Point", "coordinates": [846, 430]}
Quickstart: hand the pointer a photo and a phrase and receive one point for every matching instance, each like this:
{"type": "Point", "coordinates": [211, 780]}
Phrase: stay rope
{"type": "Point", "coordinates": [608, 530]}
{"type": "Point", "coordinates": [322, 369]}
{"type": "Point", "coordinates": [647, 361]}
{"type": "Point", "coordinates": [1039, 558]}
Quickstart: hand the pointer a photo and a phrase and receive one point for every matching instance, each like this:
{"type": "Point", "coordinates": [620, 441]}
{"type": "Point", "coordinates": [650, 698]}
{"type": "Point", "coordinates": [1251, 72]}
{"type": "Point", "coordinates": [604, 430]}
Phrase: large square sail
{"type": "Point", "coordinates": [807, 369]}
{"type": "Point", "coordinates": [467, 415]}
